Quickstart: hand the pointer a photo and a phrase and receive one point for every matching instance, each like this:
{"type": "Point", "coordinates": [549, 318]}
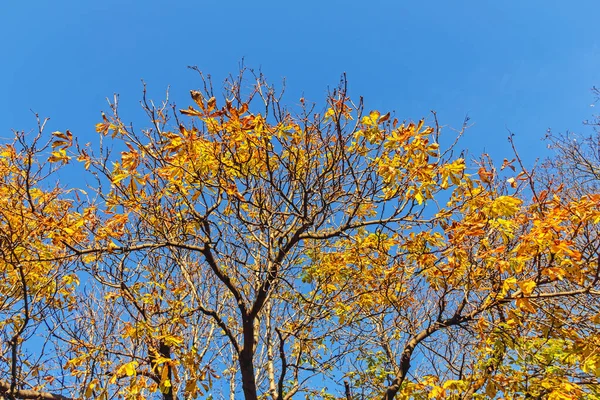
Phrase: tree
{"type": "Point", "coordinates": [37, 221]}
{"type": "Point", "coordinates": [260, 251]}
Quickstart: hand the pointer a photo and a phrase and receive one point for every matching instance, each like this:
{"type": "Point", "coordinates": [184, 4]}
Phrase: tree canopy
{"type": "Point", "coordinates": [238, 248]}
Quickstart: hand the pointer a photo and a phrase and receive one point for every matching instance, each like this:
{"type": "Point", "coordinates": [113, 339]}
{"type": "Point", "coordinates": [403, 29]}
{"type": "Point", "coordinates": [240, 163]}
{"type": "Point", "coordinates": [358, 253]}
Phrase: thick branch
{"type": "Point", "coordinates": [29, 394]}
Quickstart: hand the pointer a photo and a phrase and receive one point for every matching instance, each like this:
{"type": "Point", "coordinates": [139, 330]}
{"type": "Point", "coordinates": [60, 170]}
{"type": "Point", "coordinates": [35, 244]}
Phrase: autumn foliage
{"type": "Point", "coordinates": [240, 249]}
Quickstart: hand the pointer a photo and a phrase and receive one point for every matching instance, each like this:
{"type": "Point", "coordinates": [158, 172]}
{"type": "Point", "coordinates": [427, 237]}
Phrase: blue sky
{"type": "Point", "coordinates": [521, 65]}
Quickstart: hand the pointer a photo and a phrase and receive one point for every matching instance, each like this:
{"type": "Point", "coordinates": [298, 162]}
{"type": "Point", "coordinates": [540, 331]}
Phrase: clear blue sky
{"type": "Point", "coordinates": [524, 65]}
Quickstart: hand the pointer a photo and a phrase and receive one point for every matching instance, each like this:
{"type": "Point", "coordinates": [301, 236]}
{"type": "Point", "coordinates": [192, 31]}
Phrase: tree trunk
{"type": "Point", "coordinates": [248, 379]}
{"type": "Point", "coordinates": [246, 360]}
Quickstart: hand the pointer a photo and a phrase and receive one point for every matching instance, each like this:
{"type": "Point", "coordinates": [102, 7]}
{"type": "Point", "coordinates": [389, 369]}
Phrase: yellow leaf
{"type": "Point", "coordinates": [508, 284]}
{"type": "Point", "coordinates": [119, 177]}
{"type": "Point", "coordinates": [525, 305]}
{"type": "Point", "coordinates": [436, 392]}
{"type": "Point", "coordinates": [527, 286]}
{"type": "Point", "coordinates": [455, 385]}
{"type": "Point", "coordinates": [128, 369]}
{"type": "Point", "coordinates": [172, 340]}
{"type": "Point", "coordinates": [330, 287]}
{"type": "Point", "coordinates": [59, 143]}
{"type": "Point", "coordinates": [329, 114]}
{"type": "Point", "coordinates": [592, 365]}
{"type": "Point", "coordinates": [371, 119]}
{"type": "Point", "coordinates": [419, 198]}
{"type": "Point", "coordinates": [505, 206]}
{"type": "Point", "coordinates": [59, 155]}
{"type": "Point", "coordinates": [554, 273]}
{"type": "Point", "coordinates": [89, 390]}
{"type": "Point", "coordinates": [164, 375]}
{"type": "Point", "coordinates": [491, 390]}
{"type": "Point", "coordinates": [66, 136]}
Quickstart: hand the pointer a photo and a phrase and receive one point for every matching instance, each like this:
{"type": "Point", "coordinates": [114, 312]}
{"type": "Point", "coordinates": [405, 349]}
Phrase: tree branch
{"type": "Point", "coordinates": [5, 390]}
